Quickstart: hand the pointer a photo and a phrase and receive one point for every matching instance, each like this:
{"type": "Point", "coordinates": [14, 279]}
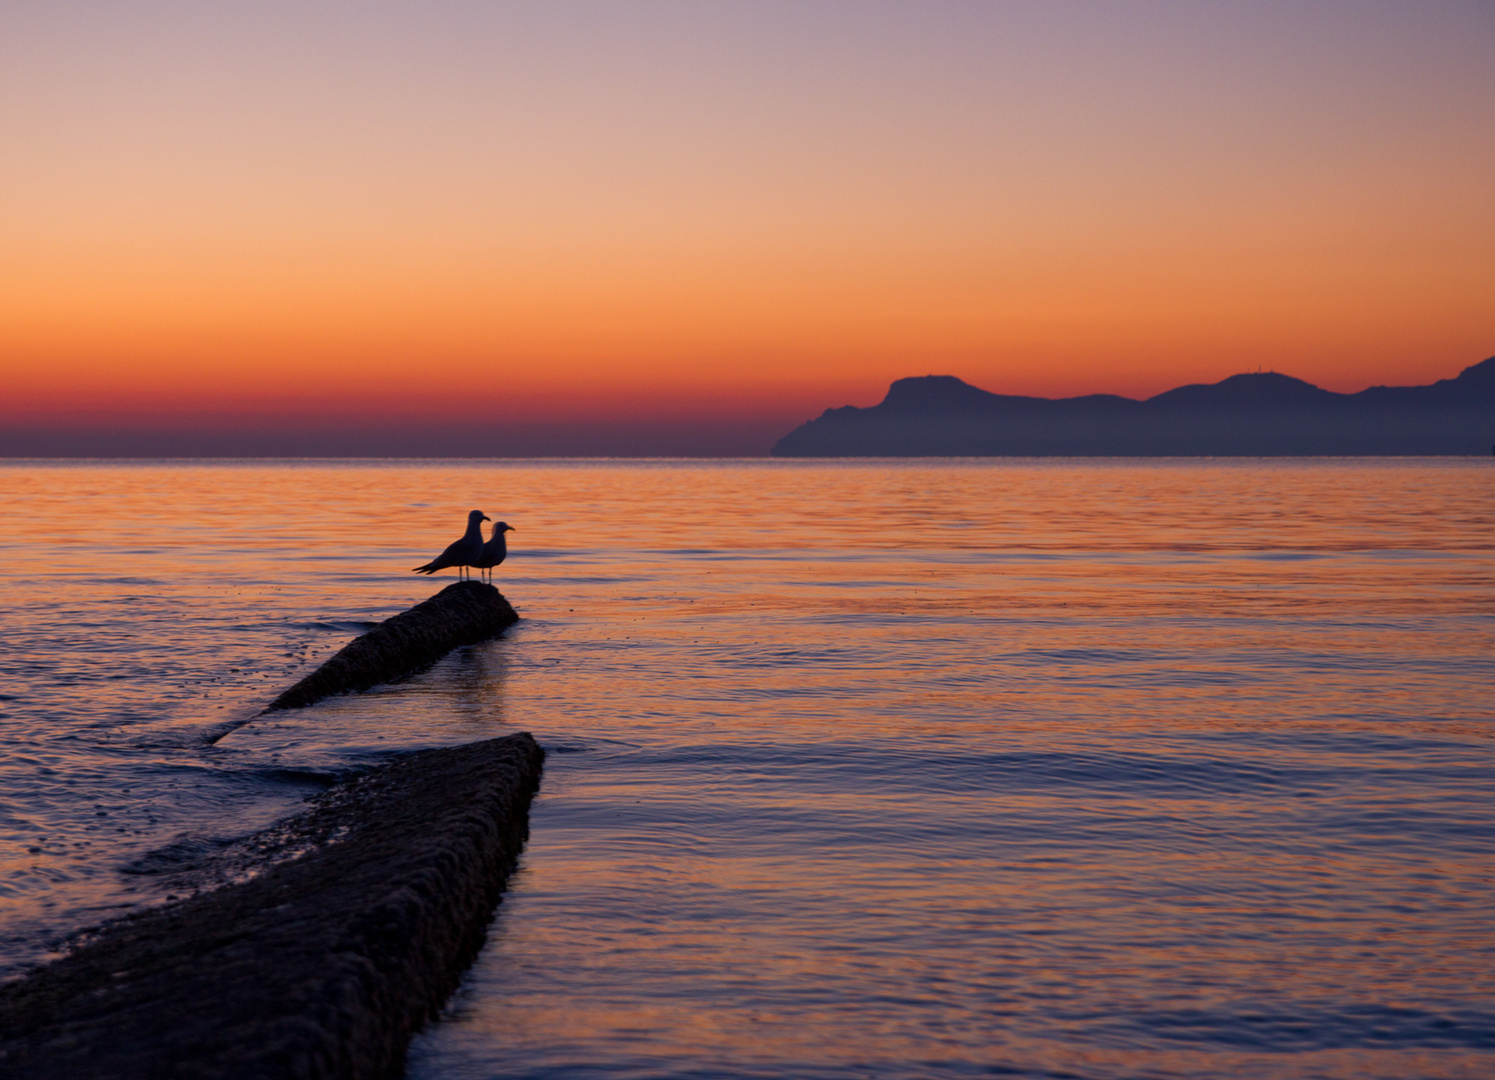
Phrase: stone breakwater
{"type": "Point", "coordinates": [323, 966]}
{"type": "Point", "coordinates": [463, 613]}
{"type": "Point", "coordinates": [352, 935]}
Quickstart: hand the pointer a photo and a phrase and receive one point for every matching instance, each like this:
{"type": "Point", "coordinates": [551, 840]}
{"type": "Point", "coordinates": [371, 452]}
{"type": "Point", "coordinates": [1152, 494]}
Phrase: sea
{"type": "Point", "coordinates": [1081, 768]}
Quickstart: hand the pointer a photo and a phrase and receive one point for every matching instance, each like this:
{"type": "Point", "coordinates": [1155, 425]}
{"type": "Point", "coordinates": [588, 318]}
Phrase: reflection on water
{"type": "Point", "coordinates": [1092, 769]}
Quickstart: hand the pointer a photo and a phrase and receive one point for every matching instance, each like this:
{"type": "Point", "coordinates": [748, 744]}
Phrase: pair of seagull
{"type": "Point", "coordinates": [470, 550]}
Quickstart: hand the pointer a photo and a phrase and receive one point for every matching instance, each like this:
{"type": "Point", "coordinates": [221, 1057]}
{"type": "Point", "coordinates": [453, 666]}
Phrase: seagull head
{"type": "Point", "coordinates": [501, 527]}
{"type": "Point", "coordinates": [475, 516]}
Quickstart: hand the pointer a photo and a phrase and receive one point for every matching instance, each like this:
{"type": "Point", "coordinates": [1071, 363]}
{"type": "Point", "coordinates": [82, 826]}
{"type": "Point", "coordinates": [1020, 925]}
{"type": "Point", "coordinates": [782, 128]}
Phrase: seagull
{"type": "Point", "coordinates": [464, 552]}
{"type": "Point", "coordinates": [494, 550]}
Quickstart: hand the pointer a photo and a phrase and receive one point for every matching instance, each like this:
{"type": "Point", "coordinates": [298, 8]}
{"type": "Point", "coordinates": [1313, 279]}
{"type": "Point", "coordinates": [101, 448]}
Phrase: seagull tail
{"type": "Point", "coordinates": [429, 568]}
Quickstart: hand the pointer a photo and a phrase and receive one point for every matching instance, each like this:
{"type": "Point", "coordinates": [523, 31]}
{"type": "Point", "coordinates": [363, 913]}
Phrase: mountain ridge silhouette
{"type": "Point", "coordinates": [1254, 413]}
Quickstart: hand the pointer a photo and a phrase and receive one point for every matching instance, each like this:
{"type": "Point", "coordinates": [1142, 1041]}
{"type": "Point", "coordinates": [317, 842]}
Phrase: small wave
{"type": "Point", "coordinates": [1305, 1028]}
{"type": "Point", "coordinates": [182, 855]}
{"type": "Point", "coordinates": [341, 626]}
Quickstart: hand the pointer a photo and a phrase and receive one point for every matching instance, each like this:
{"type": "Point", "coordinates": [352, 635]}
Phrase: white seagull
{"type": "Point", "coordinates": [464, 552]}
{"type": "Point", "coordinates": [494, 550]}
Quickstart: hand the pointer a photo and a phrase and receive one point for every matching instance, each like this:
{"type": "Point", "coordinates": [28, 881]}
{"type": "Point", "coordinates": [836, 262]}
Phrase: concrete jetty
{"type": "Point", "coordinates": [463, 613]}
{"type": "Point", "coordinates": [323, 965]}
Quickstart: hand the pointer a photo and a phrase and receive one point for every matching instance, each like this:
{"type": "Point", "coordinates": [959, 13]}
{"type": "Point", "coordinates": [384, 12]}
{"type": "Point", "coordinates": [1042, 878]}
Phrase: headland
{"type": "Point", "coordinates": [1257, 414]}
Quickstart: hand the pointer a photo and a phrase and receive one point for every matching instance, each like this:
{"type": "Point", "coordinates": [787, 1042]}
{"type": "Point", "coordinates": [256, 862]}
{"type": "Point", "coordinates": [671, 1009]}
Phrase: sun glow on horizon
{"type": "Point", "coordinates": [572, 212]}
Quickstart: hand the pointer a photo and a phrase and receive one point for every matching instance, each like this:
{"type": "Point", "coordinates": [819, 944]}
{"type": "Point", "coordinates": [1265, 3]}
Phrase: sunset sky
{"type": "Point", "coordinates": [686, 227]}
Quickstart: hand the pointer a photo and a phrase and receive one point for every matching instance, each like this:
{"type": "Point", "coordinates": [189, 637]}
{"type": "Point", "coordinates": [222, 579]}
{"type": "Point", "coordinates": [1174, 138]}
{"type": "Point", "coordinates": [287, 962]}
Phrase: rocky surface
{"type": "Point", "coordinates": [463, 613]}
{"type": "Point", "coordinates": [324, 965]}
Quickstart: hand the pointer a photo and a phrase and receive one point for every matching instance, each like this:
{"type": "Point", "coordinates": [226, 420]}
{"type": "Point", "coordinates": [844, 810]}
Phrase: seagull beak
{"type": "Point", "coordinates": [487, 518]}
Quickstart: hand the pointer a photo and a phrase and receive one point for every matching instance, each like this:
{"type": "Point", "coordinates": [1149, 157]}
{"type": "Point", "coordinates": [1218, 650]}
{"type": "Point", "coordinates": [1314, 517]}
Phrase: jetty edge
{"type": "Point", "coordinates": [322, 966]}
{"type": "Point", "coordinates": [463, 613]}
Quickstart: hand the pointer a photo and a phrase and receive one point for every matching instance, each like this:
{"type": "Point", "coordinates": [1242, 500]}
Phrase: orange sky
{"type": "Point", "coordinates": [567, 212]}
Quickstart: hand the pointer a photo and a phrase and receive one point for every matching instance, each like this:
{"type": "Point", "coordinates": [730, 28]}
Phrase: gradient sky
{"type": "Point", "coordinates": [728, 214]}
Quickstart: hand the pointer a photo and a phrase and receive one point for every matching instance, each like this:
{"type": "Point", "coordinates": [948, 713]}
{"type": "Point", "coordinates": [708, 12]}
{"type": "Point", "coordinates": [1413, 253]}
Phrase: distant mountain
{"type": "Point", "coordinates": [1263, 413]}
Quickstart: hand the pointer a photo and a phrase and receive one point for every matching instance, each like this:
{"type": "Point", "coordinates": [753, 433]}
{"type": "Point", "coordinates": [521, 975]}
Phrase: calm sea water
{"type": "Point", "coordinates": [1036, 768]}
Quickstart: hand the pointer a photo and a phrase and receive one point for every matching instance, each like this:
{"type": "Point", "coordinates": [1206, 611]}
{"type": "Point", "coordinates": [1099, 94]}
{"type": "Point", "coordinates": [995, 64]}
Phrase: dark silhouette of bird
{"type": "Point", "coordinates": [462, 553]}
{"type": "Point", "coordinates": [494, 550]}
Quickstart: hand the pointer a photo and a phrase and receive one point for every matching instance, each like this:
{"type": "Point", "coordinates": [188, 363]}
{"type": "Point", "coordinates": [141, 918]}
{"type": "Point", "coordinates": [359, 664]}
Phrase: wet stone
{"type": "Point", "coordinates": [463, 613]}
{"type": "Point", "coordinates": [322, 966]}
